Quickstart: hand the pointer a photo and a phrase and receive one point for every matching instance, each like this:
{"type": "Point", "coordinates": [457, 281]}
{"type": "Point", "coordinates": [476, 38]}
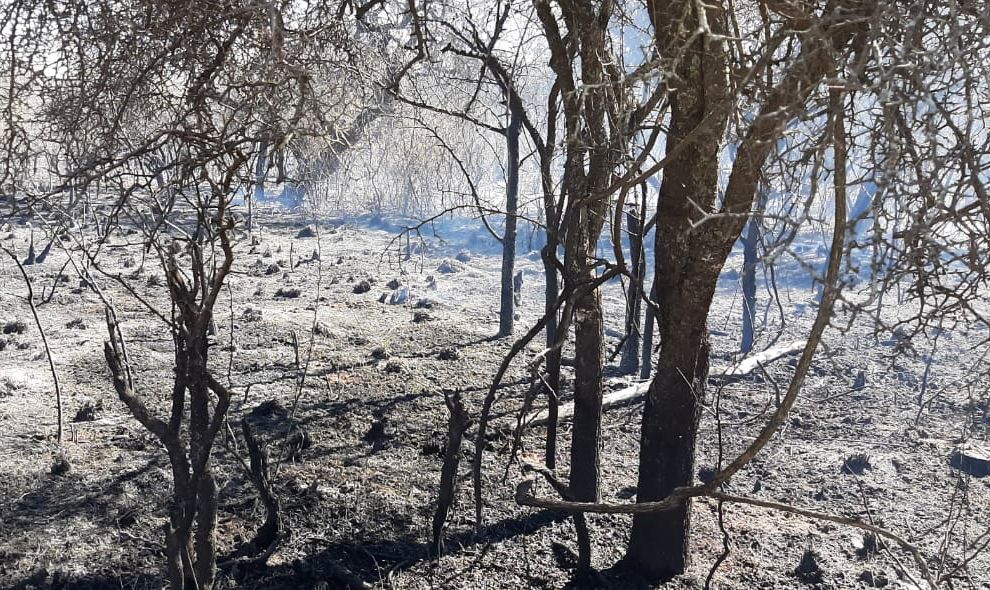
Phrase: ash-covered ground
{"type": "Point", "coordinates": [362, 493]}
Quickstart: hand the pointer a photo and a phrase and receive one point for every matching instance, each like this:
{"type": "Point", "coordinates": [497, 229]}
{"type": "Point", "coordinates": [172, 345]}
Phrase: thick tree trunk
{"type": "Point", "coordinates": [687, 272]}
{"type": "Point", "coordinates": [589, 358]}
{"type": "Point", "coordinates": [507, 311]}
{"type": "Point", "coordinates": [659, 543]}
{"type": "Point", "coordinates": [688, 260]}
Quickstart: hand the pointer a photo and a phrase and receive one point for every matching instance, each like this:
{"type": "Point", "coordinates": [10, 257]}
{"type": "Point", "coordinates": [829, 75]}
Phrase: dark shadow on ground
{"type": "Point", "coordinates": [43, 580]}
{"type": "Point", "coordinates": [374, 560]}
{"type": "Point", "coordinates": [64, 497]}
{"type": "Point", "coordinates": [56, 500]}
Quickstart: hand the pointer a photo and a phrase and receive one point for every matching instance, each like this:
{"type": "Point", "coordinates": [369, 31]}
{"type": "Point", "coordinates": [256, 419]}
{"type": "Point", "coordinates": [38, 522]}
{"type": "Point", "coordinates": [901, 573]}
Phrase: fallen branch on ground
{"type": "Point", "coordinates": [760, 359]}
{"type": "Point", "coordinates": [639, 390]}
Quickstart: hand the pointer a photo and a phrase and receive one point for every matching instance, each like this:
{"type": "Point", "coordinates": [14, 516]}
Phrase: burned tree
{"type": "Point", "coordinates": [697, 224]}
{"type": "Point", "coordinates": [634, 346]}
{"type": "Point", "coordinates": [189, 541]}
{"type": "Point", "coordinates": [499, 79]}
{"type": "Point", "coordinates": [160, 125]}
{"type": "Point", "coordinates": [810, 75]}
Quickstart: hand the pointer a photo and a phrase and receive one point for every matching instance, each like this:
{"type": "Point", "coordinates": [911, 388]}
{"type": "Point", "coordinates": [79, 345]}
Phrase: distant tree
{"type": "Point", "coordinates": [508, 81]}
{"type": "Point", "coordinates": [751, 256]}
{"type": "Point", "coordinates": [637, 228]}
{"type": "Point", "coordinates": [478, 78]}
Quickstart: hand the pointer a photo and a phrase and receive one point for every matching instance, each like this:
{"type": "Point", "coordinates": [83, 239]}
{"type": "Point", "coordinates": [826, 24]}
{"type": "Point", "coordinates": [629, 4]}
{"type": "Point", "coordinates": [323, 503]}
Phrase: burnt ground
{"type": "Point", "coordinates": [362, 494]}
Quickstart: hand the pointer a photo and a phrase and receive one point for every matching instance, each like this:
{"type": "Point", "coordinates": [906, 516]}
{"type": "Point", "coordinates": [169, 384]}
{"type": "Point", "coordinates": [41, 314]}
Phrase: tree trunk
{"type": "Point", "coordinates": [634, 303]}
{"type": "Point", "coordinates": [659, 543]}
{"type": "Point", "coordinates": [688, 261]}
{"type": "Point", "coordinates": [260, 168]}
{"type": "Point", "coordinates": [684, 286]}
{"type": "Point", "coordinates": [750, 260]}
{"type": "Point", "coordinates": [176, 549]}
{"type": "Point", "coordinates": [589, 358]}
{"type": "Point", "coordinates": [179, 549]}
{"type": "Point", "coordinates": [649, 322]}
{"type": "Point", "coordinates": [200, 447]}
{"type": "Point", "coordinates": [206, 525]}
{"type": "Point", "coordinates": [687, 274]}
{"type": "Point", "coordinates": [552, 385]}
{"type": "Point", "coordinates": [507, 311]}
{"type": "Point", "coordinates": [457, 424]}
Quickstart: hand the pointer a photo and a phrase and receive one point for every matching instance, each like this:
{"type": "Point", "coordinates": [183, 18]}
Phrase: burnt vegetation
{"type": "Point", "coordinates": [408, 294]}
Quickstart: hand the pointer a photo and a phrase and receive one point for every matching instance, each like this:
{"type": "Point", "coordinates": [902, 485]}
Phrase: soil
{"type": "Point", "coordinates": [361, 494]}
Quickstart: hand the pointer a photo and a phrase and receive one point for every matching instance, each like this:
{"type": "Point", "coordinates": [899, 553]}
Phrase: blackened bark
{"type": "Point", "coordinates": [649, 323]}
{"type": "Point", "coordinates": [271, 530]}
{"type": "Point", "coordinates": [190, 533]}
{"type": "Point", "coordinates": [589, 358]}
{"type": "Point", "coordinates": [686, 270]}
{"type": "Point", "coordinates": [690, 255]}
{"type": "Point", "coordinates": [456, 426]}
{"type": "Point", "coordinates": [659, 543]}
{"type": "Point", "coordinates": [206, 525]}
{"type": "Point", "coordinates": [552, 385]}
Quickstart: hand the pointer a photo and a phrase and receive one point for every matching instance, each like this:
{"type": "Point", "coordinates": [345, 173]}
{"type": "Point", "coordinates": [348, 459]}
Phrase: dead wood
{"type": "Point", "coordinates": [270, 533]}
{"type": "Point", "coordinates": [638, 390]}
{"type": "Point", "coordinates": [456, 426]}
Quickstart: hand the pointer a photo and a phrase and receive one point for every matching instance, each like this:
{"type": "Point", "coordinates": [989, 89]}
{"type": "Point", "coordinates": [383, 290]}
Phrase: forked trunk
{"type": "Point", "coordinates": [629, 362]}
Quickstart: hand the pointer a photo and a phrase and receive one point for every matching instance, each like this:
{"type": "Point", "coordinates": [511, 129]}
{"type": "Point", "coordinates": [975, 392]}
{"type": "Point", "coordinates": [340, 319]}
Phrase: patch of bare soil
{"type": "Point", "coordinates": [388, 337]}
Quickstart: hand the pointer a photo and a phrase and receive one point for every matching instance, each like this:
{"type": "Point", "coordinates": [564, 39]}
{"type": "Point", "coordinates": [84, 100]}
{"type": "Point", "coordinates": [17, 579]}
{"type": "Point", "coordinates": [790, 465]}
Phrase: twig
{"type": "Point", "coordinates": [44, 341]}
{"type": "Point", "coordinates": [303, 369]}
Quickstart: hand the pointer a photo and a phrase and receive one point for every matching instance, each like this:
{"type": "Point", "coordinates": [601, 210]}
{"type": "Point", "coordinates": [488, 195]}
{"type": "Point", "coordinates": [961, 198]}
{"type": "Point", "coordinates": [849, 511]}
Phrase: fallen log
{"type": "Point", "coordinates": [566, 411]}
{"type": "Point", "coordinates": [753, 361]}
{"type": "Point", "coordinates": [972, 459]}
{"type": "Point", "coordinates": [638, 390]}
